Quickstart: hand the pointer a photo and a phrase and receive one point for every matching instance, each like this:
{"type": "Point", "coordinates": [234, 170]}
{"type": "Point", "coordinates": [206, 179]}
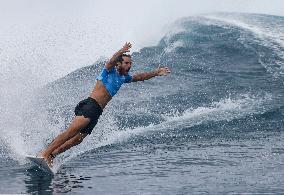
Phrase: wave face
{"type": "Point", "coordinates": [222, 104]}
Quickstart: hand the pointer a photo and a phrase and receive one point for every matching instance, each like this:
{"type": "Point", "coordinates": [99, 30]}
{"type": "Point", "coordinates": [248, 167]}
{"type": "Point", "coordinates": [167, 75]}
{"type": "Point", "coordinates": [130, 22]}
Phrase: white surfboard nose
{"type": "Point", "coordinates": [41, 163]}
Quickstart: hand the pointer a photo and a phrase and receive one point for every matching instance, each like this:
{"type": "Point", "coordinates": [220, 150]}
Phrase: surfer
{"type": "Point", "coordinates": [87, 112]}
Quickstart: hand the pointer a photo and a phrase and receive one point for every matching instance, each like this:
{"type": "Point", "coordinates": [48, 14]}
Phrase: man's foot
{"type": "Point", "coordinates": [48, 159]}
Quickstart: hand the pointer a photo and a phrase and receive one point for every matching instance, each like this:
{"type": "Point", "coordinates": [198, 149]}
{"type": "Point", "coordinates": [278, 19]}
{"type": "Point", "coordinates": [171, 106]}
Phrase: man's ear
{"type": "Point", "coordinates": [118, 64]}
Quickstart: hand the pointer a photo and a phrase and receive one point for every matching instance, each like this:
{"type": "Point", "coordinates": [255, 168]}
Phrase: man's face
{"type": "Point", "coordinates": [125, 65]}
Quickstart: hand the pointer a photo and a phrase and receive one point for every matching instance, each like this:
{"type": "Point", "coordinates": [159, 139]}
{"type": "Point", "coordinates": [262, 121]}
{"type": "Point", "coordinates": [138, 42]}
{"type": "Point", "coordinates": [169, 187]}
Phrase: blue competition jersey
{"type": "Point", "coordinates": [112, 80]}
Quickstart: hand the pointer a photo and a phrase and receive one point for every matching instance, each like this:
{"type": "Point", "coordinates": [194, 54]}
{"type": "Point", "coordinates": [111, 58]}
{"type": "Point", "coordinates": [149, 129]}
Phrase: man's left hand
{"type": "Point", "coordinates": [163, 71]}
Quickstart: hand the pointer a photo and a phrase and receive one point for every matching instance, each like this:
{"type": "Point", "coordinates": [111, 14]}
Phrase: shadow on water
{"type": "Point", "coordinates": [39, 182]}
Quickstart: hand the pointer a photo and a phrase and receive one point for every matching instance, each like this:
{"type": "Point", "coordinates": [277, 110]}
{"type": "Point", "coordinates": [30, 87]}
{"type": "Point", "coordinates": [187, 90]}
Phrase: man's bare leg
{"type": "Point", "coordinates": [78, 123]}
{"type": "Point", "coordinates": [77, 139]}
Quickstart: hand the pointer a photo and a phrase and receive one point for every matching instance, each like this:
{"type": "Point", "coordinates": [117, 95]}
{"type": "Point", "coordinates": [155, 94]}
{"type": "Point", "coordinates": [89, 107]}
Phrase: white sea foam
{"type": "Point", "coordinates": [224, 110]}
{"type": "Point", "coordinates": [174, 29]}
{"type": "Point", "coordinates": [173, 46]}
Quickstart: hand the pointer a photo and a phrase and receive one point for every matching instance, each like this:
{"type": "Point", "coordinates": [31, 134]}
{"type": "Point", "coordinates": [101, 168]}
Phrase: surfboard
{"type": "Point", "coordinates": [41, 163]}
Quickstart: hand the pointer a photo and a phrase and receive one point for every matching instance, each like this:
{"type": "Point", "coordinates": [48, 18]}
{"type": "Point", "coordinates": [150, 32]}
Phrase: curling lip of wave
{"type": "Point", "coordinates": [260, 32]}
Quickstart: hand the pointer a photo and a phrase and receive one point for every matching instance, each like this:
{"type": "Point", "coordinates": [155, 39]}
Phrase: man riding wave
{"type": "Point", "coordinates": [87, 112]}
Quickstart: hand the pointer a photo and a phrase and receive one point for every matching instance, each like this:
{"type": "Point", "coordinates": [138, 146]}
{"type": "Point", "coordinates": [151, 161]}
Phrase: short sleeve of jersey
{"type": "Point", "coordinates": [128, 78]}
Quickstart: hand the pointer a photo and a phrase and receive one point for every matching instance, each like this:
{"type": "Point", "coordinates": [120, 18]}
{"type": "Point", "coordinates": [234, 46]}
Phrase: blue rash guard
{"type": "Point", "coordinates": [112, 80]}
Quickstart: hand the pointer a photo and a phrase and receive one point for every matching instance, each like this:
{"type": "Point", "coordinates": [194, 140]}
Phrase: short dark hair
{"type": "Point", "coordinates": [120, 58]}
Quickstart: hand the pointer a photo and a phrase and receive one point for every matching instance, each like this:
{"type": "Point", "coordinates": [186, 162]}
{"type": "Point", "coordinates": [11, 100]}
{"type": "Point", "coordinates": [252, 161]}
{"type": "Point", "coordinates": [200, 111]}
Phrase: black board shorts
{"type": "Point", "coordinates": [89, 108]}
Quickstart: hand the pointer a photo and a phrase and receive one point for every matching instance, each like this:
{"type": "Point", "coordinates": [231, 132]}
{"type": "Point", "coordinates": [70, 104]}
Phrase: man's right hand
{"type": "Point", "coordinates": [126, 47]}
{"type": "Point", "coordinates": [112, 62]}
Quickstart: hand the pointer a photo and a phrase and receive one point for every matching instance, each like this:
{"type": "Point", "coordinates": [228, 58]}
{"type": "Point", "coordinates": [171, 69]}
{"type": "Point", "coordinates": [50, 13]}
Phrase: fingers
{"type": "Point", "coordinates": [165, 71]}
{"type": "Point", "coordinates": [127, 45]}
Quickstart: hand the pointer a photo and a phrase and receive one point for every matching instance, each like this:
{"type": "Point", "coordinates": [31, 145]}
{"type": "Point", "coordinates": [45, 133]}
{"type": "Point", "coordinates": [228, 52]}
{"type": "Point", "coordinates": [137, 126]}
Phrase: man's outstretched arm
{"type": "Point", "coordinates": [148, 75]}
{"type": "Point", "coordinates": [112, 62]}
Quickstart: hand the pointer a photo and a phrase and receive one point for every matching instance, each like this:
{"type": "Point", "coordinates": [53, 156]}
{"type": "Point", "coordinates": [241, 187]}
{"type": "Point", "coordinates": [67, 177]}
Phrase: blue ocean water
{"type": "Point", "coordinates": [213, 126]}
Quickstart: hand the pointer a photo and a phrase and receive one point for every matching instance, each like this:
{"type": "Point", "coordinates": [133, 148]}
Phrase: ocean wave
{"type": "Point", "coordinates": [220, 73]}
{"type": "Point", "coordinates": [225, 110]}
